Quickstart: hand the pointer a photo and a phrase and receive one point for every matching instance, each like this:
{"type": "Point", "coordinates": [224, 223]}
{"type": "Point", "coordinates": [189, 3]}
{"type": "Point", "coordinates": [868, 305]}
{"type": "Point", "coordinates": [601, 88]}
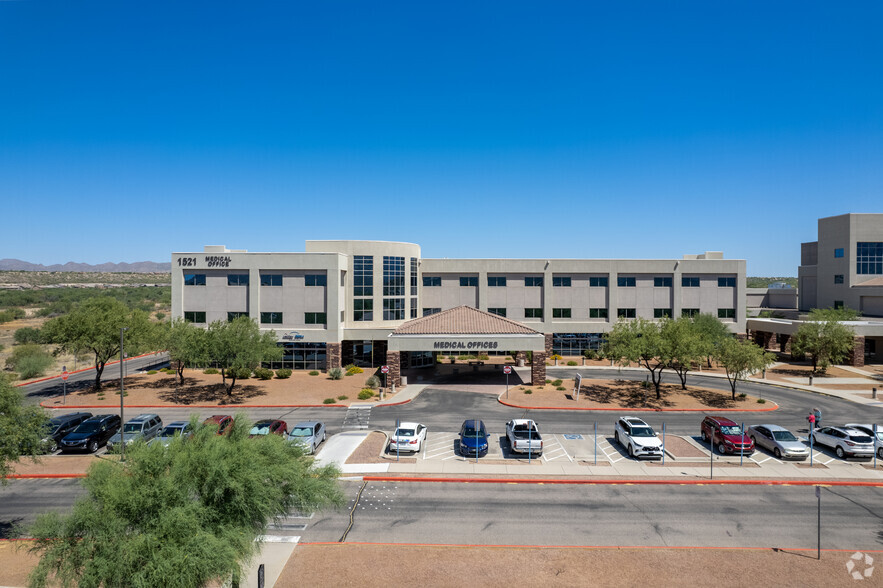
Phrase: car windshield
{"type": "Point", "coordinates": [260, 430]}
{"type": "Point", "coordinates": [860, 438]}
{"type": "Point", "coordinates": [88, 427]}
{"type": "Point", "coordinates": [783, 436]}
{"type": "Point", "coordinates": [171, 431]}
{"type": "Point", "coordinates": [302, 432]}
{"type": "Point", "coordinates": [132, 428]}
{"type": "Point", "coordinates": [471, 432]}
{"type": "Point", "coordinates": [405, 433]}
{"type": "Point", "coordinates": [731, 430]}
{"type": "Point", "coordinates": [643, 432]}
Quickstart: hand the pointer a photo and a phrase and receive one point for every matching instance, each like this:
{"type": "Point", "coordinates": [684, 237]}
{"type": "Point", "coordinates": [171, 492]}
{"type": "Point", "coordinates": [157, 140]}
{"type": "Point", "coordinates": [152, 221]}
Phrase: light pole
{"type": "Point", "coordinates": [122, 393]}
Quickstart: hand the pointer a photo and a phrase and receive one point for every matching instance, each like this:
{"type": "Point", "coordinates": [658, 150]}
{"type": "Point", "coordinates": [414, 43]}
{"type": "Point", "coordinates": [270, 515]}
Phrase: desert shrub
{"type": "Point", "coordinates": [761, 401]}
{"type": "Point", "coordinates": [352, 370]}
{"type": "Point", "coordinates": [329, 401]}
{"type": "Point", "coordinates": [263, 373]}
{"type": "Point", "coordinates": [26, 335]}
{"type": "Point", "coordinates": [30, 361]}
{"type": "Point", "coordinates": [561, 388]}
{"type": "Point", "coordinates": [209, 371]}
{"type": "Point", "coordinates": [571, 362]}
{"type": "Point", "coordinates": [314, 373]}
{"type": "Point", "coordinates": [366, 393]}
{"type": "Point", "coordinates": [548, 381]}
{"type": "Point", "coordinates": [11, 314]}
{"type": "Point", "coordinates": [160, 316]}
{"type": "Point", "coordinates": [335, 373]}
{"type": "Point", "coordinates": [483, 357]}
{"type": "Point", "coordinates": [242, 373]}
{"type": "Point", "coordinates": [742, 395]}
{"type": "Point", "coordinates": [285, 373]}
{"type": "Point", "coordinates": [555, 356]}
{"type": "Point", "coordinates": [373, 382]}
{"type": "Point", "coordinates": [590, 354]}
{"type": "Point", "coordinates": [528, 391]}
{"type": "Point", "coordinates": [342, 397]}
{"type": "Point", "coordinates": [151, 372]}
{"type": "Point", "coordinates": [557, 382]}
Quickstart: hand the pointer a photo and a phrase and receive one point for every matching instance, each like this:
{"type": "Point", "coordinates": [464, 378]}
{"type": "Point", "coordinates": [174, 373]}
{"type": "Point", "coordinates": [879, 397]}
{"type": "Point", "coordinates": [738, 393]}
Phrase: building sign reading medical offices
{"type": "Point", "coordinates": [445, 345]}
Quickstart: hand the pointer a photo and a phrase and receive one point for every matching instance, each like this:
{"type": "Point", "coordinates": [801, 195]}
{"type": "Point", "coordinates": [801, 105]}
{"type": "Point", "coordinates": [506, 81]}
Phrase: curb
{"type": "Point", "coordinates": [109, 406]}
{"type": "Point", "coordinates": [628, 481]}
{"type": "Point", "coordinates": [86, 369]}
{"type": "Point", "coordinates": [604, 408]}
{"type": "Point", "coordinates": [42, 476]}
{"type": "Point", "coordinates": [391, 403]}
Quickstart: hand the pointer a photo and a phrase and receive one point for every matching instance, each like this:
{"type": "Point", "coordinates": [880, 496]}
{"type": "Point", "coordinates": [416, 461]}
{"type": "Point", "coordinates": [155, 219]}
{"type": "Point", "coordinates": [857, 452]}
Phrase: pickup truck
{"type": "Point", "coordinates": [524, 437]}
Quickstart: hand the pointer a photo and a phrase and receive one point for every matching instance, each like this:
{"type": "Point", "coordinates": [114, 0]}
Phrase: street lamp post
{"type": "Point", "coordinates": [122, 394]}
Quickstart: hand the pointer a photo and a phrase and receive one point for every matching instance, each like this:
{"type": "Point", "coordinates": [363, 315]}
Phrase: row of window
{"type": "Point", "coordinates": [266, 280]}
{"type": "Point", "coordinates": [267, 318]}
{"type": "Point", "coordinates": [595, 282]}
{"type": "Point", "coordinates": [600, 313]}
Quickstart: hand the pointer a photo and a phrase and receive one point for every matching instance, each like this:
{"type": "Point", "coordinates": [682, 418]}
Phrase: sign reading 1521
{"type": "Point", "coordinates": [210, 261]}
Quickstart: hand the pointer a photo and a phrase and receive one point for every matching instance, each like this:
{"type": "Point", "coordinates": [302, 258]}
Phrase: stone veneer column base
{"type": "Point", "coordinates": [332, 354]}
{"type": "Point", "coordinates": [856, 357]}
{"type": "Point", "coordinates": [394, 361]}
{"type": "Point", "coordinates": [538, 368]}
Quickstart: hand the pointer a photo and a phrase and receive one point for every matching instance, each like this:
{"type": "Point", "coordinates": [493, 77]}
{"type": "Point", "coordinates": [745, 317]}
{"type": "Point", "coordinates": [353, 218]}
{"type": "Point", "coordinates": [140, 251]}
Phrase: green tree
{"type": "Point", "coordinates": [639, 341]}
{"type": "Point", "coordinates": [187, 345]}
{"type": "Point", "coordinates": [741, 359]}
{"type": "Point", "coordinates": [28, 335]}
{"type": "Point", "coordinates": [95, 325]}
{"type": "Point", "coordinates": [833, 314]}
{"type": "Point", "coordinates": [21, 427]}
{"type": "Point", "coordinates": [30, 360]}
{"type": "Point", "coordinates": [683, 346]}
{"type": "Point", "coordinates": [180, 516]}
{"type": "Point", "coordinates": [239, 345]}
{"type": "Point", "coordinates": [711, 332]}
{"type": "Point", "coordinates": [825, 342]}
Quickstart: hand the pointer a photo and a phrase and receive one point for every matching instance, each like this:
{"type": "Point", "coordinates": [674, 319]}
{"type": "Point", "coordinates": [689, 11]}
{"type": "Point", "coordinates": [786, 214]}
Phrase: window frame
{"type": "Point", "coordinates": [533, 312]}
{"type": "Point", "coordinates": [318, 280]}
{"type": "Point", "coordinates": [236, 280]}
{"type": "Point", "coordinates": [495, 281]}
{"type": "Point", "coordinates": [662, 282]}
{"type": "Point", "coordinates": [626, 282]}
{"type": "Point", "coordinates": [690, 282]}
{"type": "Point", "coordinates": [196, 315]}
{"type": "Point", "coordinates": [469, 281]}
{"type": "Point", "coordinates": [432, 281]}
{"type": "Point", "coordinates": [562, 313]}
{"type": "Point", "coordinates": [268, 279]}
{"type": "Point", "coordinates": [626, 313]}
{"type": "Point", "coordinates": [601, 313]}
{"type": "Point", "coordinates": [533, 281]}
{"type": "Point", "coordinates": [599, 281]}
{"type": "Point", "coordinates": [198, 279]}
{"type": "Point", "coordinates": [314, 319]}
{"type": "Point", "coordinates": [562, 281]}
{"type": "Point", "coordinates": [271, 318]}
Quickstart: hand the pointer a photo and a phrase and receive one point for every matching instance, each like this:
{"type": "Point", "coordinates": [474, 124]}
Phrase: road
{"type": "Point", "coordinates": [505, 514]}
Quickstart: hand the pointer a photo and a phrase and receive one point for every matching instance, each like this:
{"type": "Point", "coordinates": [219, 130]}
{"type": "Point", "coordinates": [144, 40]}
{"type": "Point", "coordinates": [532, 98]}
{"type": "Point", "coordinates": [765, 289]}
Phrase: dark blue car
{"type": "Point", "coordinates": [473, 438]}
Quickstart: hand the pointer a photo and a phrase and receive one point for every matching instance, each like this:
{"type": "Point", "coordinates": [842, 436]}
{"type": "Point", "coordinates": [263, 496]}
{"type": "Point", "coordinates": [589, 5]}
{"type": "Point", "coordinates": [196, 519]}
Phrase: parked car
{"type": "Point", "coordinates": [639, 438]}
{"type": "Point", "coordinates": [779, 440]}
{"type": "Point", "coordinates": [268, 427]}
{"type": "Point", "coordinates": [59, 427]}
{"type": "Point", "coordinates": [309, 434]}
{"type": "Point", "coordinates": [869, 430]}
{"type": "Point", "coordinates": [473, 438]}
{"type": "Point", "coordinates": [845, 442]}
{"type": "Point", "coordinates": [223, 422]}
{"type": "Point", "coordinates": [726, 435]}
{"type": "Point", "coordinates": [524, 437]}
{"type": "Point", "coordinates": [407, 437]}
{"type": "Point", "coordinates": [91, 433]}
{"type": "Point", "coordinates": [178, 428]}
{"type": "Point", "coordinates": [143, 427]}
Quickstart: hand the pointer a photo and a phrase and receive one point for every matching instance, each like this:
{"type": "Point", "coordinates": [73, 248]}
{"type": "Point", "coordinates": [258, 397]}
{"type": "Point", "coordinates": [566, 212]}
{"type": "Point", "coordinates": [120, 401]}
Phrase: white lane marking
{"type": "Point", "coordinates": [278, 538]}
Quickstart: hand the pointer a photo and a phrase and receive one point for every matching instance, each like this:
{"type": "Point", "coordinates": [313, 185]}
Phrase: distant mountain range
{"type": "Point", "coordinates": [139, 267]}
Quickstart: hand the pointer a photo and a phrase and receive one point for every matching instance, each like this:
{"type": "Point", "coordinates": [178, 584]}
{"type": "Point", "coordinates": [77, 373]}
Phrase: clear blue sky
{"type": "Point", "coordinates": [129, 130]}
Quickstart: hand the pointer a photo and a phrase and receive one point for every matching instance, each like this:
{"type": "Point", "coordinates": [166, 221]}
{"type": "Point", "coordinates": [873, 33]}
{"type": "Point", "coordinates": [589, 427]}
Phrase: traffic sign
{"type": "Point", "coordinates": [64, 375]}
{"type": "Point", "coordinates": [384, 369]}
{"type": "Point", "coordinates": [507, 369]}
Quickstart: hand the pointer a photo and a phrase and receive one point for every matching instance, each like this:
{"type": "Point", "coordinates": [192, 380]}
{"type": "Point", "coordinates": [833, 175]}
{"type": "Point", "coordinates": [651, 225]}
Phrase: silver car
{"type": "Point", "coordinates": [143, 426]}
{"type": "Point", "coordinates": [844, 441]}
{"type": "Point", "coordinates": [309, 434]}
{"type": "Point", "coordinates": [172, 430]}
{"type": "Point", "coordinates": [779, 440]}
{"type": "Point", "coordinates": [869, 430]}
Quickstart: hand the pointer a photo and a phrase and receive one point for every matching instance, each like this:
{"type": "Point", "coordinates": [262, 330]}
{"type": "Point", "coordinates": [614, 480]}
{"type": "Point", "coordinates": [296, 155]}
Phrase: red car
{"type": "Point", "coordinates": [726, 435]}
{"type": "Point", "coordinates": [269, 427]}
{"type": "Point", "coordinates": [224, 423]}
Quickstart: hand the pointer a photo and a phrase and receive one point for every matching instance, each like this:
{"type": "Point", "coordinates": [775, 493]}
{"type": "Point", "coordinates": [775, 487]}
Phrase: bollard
{"type": "Point", "coordinates": [381, 393]}
{"type": "Point", "coordinates": [873, 393]}
{"type": "Point", "coordinates": [393, 389]}
{"type": "Point", "coordinates": [810, 379]}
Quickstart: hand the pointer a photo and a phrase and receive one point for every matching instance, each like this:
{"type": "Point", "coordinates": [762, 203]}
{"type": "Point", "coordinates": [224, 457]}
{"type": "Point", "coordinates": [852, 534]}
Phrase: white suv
{"type": "Point", "coordinates": [638, 438]}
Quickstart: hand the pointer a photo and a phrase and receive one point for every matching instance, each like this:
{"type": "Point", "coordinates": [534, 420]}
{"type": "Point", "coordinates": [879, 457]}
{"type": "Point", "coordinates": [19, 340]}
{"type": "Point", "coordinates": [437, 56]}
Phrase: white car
{"type": "Point", "coordinates": [408, 437]}
{"type": "Point", "coordinates": [869, 430]}
{"type": "Point", "coordinates": [845, 441]}
{"type": "Point", "coordinates": [637, 437]}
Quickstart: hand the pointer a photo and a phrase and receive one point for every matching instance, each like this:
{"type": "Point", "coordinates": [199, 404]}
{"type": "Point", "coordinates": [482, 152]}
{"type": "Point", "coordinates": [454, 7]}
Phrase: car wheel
{"type": "Point", "coordinates": [631, 451]}
{"type": "Point", "coordinates": [721, 448]}
{"type": "Point", "coordinates": [93, 446]}
{"type": "Point", "coordinates": [324, 435]}
{"type": "Point", "coordinates": [53, 447]}
{"type": "Point", "coordinates": [777, 453]}
{"type": "Point", "coordinates": [753, 440]}
{"type": "Point", "coordinates": [840, 452]}
{"type": "Point", "coordinates": [880, 453]}
{"type": "Point", "coordinates": [616, 436]}
{"type": "Point", "coordinates": [704, 437]}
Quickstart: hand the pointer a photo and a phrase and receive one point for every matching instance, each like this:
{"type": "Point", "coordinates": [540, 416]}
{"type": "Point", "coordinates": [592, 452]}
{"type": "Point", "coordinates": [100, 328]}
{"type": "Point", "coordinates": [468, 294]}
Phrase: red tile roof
{"type": "Point", "coordinates": [463, 320]}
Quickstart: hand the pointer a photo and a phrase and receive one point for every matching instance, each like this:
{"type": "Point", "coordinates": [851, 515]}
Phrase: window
{"type": "Point", "coordinates": [496, 281]}
{"type": "Point", "coordinates": [363, 275]}
{"type": "Point", "coordinates": [393, 276]}
{"type": "Point", "coordinates": [625, 281]}
{"type": "Point", "coordinates": [661, 313]}
{"type": "Point", "coordinates": [271, 279]}
{"type": "Point", "coordinates": [690, 312]}
{"type": "Point", "coordinates": [838, 278]}
{"type": "Point", "coordinates": [468, 280]}
{"type": "Point", "coordinates": [194, 317]}
{"type": "Point", "coordinates": [575, 343]}
{"type": "Point", "coordinates": [690, 282]}
{"type": "Point", "coordinates": [315, 280]}
{"type": "Point", "coordinates": [414, 278]}
{"type": "Point", "coordinates": [430, 281]}
{"type": "Point", "coordinates": [838, 252]}
{"type": "Point", "coordinates": [194, 279]}
{"type": "Point", "coordinates": [726, 313]}
{"type": "Point", "coordinates": [726, 282]}
{"type": "Point", "coordinates": [561, 281]}
{"type": "Point", "coordinates": [363, 309]}
{"type": "Point", "coordinates": [237, 280]}
{"type": "Point", "coordinates": [310, 318]}
{"type": "Point", "coordinates": [838, 304]}
{"type": "Point", "coordinates": [393, 309]}
{"type": "Point", "coordinates": [530, 281]}
{"type": "Point", "coordinates": [533, 313]}
{"type": "Point", "coordinates": [431, 311]}
{"type": "Point", "coordinates": [869, 258]}
{"type": "Point", "coordinates": [232, 316]}
{"type": "Point", "coordinates": [275, 318]}
{"type": "Point", "coordinates": [413, 308]}
{"type": "Point", "coordinates": [662, 282]}
{"type": "Point", "coordinates": [598, 282]}
{"type": "Point", "coordinates": [300, 356]}
{"type": "Point", "coordinates": [497, 311]}
{"type": "Point", "coordinates": [598, 313]}
{"type": "Point", "coordinates": [560, 313]}
{"type": "Point", "coordinates": [626, 313]}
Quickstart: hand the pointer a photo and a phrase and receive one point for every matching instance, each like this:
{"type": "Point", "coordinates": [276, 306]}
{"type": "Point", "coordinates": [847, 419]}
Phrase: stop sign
{"type": "Point", "coordinates": [384, 369]}
{"type": "Point", "coordinates": [64, 375]}
{"type": "Point", "coordinates": [507, 369]}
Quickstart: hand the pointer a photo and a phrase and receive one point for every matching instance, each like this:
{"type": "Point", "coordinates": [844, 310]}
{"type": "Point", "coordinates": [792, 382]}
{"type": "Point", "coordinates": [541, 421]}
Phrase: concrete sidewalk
{"type": "Point", "coordinates": [338, 449]}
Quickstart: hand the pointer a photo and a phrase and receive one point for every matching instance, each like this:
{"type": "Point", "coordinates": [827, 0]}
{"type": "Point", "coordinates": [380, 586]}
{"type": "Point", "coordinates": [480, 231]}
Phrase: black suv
{"type": "Point", "coordinates": [91, 434]}
{"type": "Point", "coordinates": [60, 426]}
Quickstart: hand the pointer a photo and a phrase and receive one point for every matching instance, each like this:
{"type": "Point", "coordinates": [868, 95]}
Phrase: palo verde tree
{"type": "Point", "coordinates": [95, 325]}
{"type": "Point", "coordinates": [21, 427]}
{"type": "Point", "coordinates": [712, 332]}
{"type": "Point", "coordinates": [187, 345]}
{"type": "Point", "coordinates": [741, 359]}
{"type": "Point", "coordinates": [683, 344]}
{"type": "Point", "coordinates": [180, 516]}
{"type": "Point", "coordinates": [639, 341]}
{"type": "Point", "coordinates": [824, 339]}
{"type": "Point", "coordinates": [239, 344]}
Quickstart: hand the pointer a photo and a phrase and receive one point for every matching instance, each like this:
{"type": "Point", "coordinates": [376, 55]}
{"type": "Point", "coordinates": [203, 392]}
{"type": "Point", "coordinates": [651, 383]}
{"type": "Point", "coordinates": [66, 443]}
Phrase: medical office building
{"type": "Point", "coordinates": [376, 303]}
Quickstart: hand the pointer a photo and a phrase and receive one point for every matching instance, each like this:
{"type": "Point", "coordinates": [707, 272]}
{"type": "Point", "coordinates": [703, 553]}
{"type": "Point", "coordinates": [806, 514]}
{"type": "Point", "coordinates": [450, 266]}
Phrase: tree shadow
{"type": "Point", "coordinates": [209, 393]}
{"type": "Point", "coordinates": [711, 398]}
{"type": "Point", "coordinates": [11, 529]}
